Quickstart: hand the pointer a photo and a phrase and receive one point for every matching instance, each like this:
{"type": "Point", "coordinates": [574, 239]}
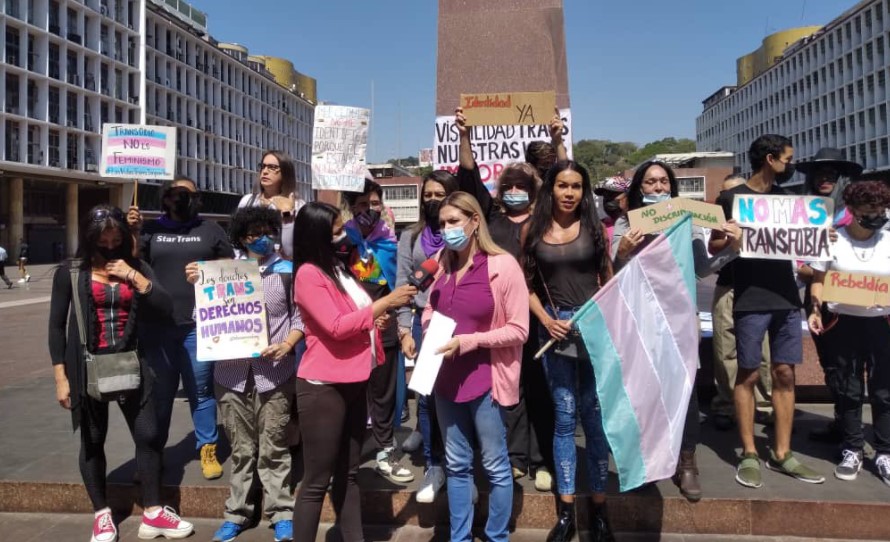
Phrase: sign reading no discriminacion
{"type": "Point", "coordinates": [494, 147]}
{"type": "Point", "coordinates": [784, 227]}
{"type": "Point", "coordinates": [138, 151]}
{"type": "Point", "coordinates": [856, 289]}
{"type": "Point", "coordinates": [660, 216]}
{"type": "Point", "coordinates": [501, 109]}
{"type": "Point", "coordinates": [230, 311]}
{"type": "Point", "coordinates": [339, 143]}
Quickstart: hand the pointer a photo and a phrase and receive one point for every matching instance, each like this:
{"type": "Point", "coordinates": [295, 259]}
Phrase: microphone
{"type": "Point", "coordinates": [423, 277]}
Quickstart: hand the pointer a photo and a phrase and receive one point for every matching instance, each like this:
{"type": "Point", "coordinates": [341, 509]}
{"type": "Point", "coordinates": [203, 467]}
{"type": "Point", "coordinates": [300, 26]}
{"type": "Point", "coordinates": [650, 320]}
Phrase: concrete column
{"type": "Point", "coordinates": [16, 215]}
{"type": "Point", "coordinates": [71, 220]}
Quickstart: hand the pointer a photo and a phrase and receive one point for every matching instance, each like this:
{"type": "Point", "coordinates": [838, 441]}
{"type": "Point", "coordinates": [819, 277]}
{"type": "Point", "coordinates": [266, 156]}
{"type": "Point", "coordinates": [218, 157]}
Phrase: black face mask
{"type": "Point", "coordinates": [186, 205]}
{"type": "Point", "coordinates": [786, 175]}
{"type": "Point", "coordinates": [110, 254]}
{"type": "Point", "coordinates": [368, 219]}
{"type": "Point", "coordinates": [872, 222]}
{"type": "Point", "coordinates": [612, 207]}
{"type": "Point", "coordinates": [343, 249]}
{"type": "Point", "coordinates": [431, 212]}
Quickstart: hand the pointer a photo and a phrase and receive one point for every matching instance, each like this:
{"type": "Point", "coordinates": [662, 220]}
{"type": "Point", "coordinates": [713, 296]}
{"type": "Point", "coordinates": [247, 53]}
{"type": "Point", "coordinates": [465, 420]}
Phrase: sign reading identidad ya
{"type": "Point", "coordinates": [339, 143]}
{"type": "Point", "coordinates": [784, 227]}
{"type": "Point", "coordinates": [230, 311]}
{"type": "Point", "coordinates": [138, 151]}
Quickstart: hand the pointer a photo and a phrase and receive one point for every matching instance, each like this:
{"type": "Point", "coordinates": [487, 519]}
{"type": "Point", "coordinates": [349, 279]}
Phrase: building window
{"type": "Point", "coordinates": [73, 150]}
{"type": "Point", "coordinates": [12, 94]}
{"type": "Point", "coordinates": [54, 157]}
{"type": "Point", "coordinates": [11, 145]}
{"type": "Point", "coordinates": [54, 105]}
{"type": "Point", "coordinates": [691, 185]}
{"type": "Point", "coordinates": [12, 46]}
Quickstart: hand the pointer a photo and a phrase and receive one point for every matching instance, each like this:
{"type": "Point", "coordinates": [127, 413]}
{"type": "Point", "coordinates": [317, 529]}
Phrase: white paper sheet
{"type": "Point", "coordinates": [426, 369]}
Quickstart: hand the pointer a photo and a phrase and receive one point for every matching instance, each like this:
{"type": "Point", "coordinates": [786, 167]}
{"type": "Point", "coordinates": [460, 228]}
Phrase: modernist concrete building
{"type": "Point", "coordinates": [820, 86]}
{"type": "Point", "coordinates": [69, 66]}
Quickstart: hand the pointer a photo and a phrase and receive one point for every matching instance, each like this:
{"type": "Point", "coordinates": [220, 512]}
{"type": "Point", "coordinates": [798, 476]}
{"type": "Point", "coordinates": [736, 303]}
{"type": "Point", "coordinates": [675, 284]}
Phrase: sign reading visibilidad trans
{"type": "Point", "coordinates": [138, 151]}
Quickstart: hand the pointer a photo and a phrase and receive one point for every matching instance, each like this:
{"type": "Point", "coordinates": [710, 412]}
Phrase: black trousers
{"type": "Point", "coordinates": [382, 397]}
{"type": "Point", "coordinates": [332, 424]}
{"type": "Point", "coordinates": [859, 347]}
{"type": "Point", "coordinates": [142, 422]}
{"type": "Point", "coordinates": [530, 422]}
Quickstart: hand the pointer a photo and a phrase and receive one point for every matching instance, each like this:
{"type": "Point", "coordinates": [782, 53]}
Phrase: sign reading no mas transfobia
{"type": "Point", "coordinates": [138, 151]}
{"type": "Point", "coordinates": [230, 312]}
{"type": "Point", "coordinates": [784, 227]}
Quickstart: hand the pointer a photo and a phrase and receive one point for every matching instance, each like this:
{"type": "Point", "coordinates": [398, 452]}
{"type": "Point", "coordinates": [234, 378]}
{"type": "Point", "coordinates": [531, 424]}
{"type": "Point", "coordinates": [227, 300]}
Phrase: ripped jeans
{"type": "Point", "coordinates": [573, 389]}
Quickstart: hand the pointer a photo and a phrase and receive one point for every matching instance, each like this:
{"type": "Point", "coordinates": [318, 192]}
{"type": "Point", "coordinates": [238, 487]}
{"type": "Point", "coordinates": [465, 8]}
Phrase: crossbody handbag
{"type": "Point", "coordinates": [108, 375]}
{"type": "Point", "coordinates": [573, 345]}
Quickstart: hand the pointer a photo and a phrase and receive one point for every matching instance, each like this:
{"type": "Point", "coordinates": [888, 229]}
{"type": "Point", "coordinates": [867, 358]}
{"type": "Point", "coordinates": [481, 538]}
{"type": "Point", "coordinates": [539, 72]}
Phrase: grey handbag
{"type": "Point", "coordinates": [108, 375]}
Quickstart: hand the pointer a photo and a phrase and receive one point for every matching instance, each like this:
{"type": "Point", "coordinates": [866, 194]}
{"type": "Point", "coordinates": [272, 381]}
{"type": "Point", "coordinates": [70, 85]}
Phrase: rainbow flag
{"type": "Point", "coordinates": [641, 331]}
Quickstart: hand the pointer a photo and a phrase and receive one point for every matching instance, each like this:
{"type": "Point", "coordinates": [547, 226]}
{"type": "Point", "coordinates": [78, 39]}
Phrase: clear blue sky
{"type": "Point", "coordinates": [638, 69]}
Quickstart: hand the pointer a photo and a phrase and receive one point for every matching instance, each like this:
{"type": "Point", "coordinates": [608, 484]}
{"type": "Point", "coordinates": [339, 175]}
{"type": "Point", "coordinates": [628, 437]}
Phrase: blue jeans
{"type": "Point", "coordinates": [426, 406]}
{"type": "Point", "coordinates": [172, 352]}
{"type": "Point", "coordinates": [573, 389]}
{"type": "Point", "coordinates": [465, 427]}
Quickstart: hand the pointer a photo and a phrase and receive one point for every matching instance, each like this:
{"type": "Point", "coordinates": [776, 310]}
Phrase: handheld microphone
{"type": "Point", "coordinates": [424, 276]}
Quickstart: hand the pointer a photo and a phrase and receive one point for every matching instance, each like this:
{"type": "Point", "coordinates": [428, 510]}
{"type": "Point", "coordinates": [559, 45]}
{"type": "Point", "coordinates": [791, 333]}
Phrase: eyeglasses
{"type": "Point", "coordinates": [274, 168]}
{"type": "Point", "coordinates": [98, 215]}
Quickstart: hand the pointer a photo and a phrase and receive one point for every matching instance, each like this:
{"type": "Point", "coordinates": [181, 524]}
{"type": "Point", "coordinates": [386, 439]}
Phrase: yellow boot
{"type": "Point", "coordinates": [210, 466]}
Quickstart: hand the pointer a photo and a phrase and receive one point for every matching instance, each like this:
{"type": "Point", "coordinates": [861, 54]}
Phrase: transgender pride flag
{"type": "Point", "coordinates": [641, 331]}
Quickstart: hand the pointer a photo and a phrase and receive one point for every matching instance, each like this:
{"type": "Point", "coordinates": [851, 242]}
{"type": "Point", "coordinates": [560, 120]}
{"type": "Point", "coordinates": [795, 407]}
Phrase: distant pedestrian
{"type": "Point", "coordinates": [24, 251]}
{"type": "Point", "coordinates": [3, 257]}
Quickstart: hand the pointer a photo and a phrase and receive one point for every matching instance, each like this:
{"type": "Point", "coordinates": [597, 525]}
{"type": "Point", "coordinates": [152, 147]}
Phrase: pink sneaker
{"type": "Point", "coordinates": [103, 528]}
{"type": "Point", "coordinates": [166, 524]}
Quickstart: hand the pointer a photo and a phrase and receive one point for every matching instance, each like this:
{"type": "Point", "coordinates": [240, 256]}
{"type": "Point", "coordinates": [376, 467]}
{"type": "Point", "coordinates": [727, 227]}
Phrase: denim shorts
{"type": "Point", "coordinates": [785, 337]}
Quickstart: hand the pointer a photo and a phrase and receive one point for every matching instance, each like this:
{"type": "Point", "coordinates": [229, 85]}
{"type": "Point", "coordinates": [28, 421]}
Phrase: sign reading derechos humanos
{"type": "Point", "coordinates": [660, 216]}
{"type": "Point", "coordinates": [138, 151]}
{"type": "Point", "coordinates": [856, 289]}
{"type": "Point", "coordinates": [230, 312]}
{"type": "Point", "coordinates": [501, 109]}
{"type": "Point", "coordinates": [784, 227]}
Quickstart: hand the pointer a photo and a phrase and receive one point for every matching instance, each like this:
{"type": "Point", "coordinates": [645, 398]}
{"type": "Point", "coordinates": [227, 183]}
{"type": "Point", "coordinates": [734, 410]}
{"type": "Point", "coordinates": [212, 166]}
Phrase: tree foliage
{"type": "Point", "coordinates": [604, 158]}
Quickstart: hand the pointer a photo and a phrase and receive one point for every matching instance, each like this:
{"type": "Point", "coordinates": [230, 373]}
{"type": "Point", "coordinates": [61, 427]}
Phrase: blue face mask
{"type": "Point", "coordinates": [649, 199]}
{"type": "Point", "coordinates": [455, 238]}
{"type": "Point", "coordinates": [263, 246]}
{"type": "Point", "coordinates": [516, 200]}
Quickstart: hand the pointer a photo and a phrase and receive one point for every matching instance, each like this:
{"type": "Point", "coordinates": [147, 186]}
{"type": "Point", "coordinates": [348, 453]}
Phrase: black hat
{"type": "Point", "coordinates": [833, 158]}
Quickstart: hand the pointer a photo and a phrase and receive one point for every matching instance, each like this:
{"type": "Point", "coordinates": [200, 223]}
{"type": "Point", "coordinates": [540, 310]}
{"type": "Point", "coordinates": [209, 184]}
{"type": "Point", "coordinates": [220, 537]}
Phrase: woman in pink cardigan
{"type": "Point", "coordinates": [343, 343]}
{"type": "Point", "coordinates": [482, 288]}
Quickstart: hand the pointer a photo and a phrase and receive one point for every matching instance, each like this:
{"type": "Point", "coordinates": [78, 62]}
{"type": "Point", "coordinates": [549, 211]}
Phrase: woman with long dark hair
{"type": "Point", "coordinates": [114, 291]}
{"type": "Point", "coordinates": [343, 344]}
{"type": "Point", "coordinates": [566, 262]}
{"type": "Point", "coordinates": [417, 244]}
{"type": "Point", "coordinates": [654, 182]}
{"type": "Point", "coordinates": [173, 244]}
{"type": "Point", "coordinates": [276, 187]}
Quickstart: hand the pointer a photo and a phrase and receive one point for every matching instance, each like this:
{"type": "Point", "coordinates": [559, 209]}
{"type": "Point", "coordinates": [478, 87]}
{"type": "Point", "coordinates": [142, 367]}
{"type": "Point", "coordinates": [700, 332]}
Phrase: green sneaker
{"type": "Point", "coordinates": [748, 471]}
{"type": "Point", "coordinates": [794, 468]}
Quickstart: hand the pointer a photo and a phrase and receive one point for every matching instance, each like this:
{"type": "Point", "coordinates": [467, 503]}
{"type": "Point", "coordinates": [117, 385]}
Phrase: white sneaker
{"type": "Point", "coordinates": [849, 466]}
{"type": "Point", "coordinates": [433, 480]}
{"type": "Point", "coordinates": [882, 463]}
{"type": "Point", "coordinates": [103, 527]}
{"type": "Point", "coordinates": [21, 281]}
{"type": "Point", "coordinates": [27, 278]}
{"type": "Point", "coordinates": [390, 468]}
{"type": "Point", "coordinates": [166, 523]}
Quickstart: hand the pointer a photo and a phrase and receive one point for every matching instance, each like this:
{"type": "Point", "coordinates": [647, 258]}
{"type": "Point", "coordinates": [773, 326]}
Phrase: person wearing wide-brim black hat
{"type": "Point", "coordinates": [824, 172]}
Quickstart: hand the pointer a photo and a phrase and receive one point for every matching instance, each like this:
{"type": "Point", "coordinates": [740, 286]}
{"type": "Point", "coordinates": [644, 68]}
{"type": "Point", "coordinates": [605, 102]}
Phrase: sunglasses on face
{"type": "Point", "coordinates": [98, 215]}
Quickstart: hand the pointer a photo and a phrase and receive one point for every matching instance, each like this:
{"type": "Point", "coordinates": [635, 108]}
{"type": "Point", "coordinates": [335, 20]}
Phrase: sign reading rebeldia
{"type": "Point", "coordinates": [135, 151]}
{"type": "Point", "coordinates": [510, 108]}
{"type": "Point", "coordinates": [856, 289]}
{"type": "Point", "coordinates": [230, 312]}
{"type": "Point", "coordinates": [661, 216]}
{"type": "Point", "coordinates": [784, 227]}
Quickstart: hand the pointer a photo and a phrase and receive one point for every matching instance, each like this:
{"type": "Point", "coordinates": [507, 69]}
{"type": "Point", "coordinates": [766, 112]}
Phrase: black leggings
{"type": "Point", "coordinates": [332, 423]}
{"type": "Point", "coordinates": [142, 421]}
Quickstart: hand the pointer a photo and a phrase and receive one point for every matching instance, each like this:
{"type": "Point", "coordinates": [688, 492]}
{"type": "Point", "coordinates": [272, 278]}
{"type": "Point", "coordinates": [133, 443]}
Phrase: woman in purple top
{"type": "Point", "coordinates": [468, 415]}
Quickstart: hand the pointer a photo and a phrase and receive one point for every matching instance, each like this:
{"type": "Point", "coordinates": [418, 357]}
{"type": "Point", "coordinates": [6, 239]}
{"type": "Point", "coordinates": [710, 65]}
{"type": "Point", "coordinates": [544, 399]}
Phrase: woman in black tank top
{"type": "Point", "coordinates": [566, 261]}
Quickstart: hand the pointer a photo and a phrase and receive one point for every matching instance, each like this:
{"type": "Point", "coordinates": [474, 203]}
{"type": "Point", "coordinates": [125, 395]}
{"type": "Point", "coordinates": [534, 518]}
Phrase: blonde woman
{"type": "Point", "coordinates": [482, 288]}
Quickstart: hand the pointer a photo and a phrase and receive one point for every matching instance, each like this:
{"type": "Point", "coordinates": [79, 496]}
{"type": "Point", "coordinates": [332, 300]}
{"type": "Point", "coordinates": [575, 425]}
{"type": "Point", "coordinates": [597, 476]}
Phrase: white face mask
{"type": "Point", "coordinates": [340, 237]}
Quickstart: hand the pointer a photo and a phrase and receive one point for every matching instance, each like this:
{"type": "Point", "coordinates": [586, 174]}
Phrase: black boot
{"type": "Point", "coordinates": [600, 530]}
{"type": "Point", "coordinates": [564, 530]}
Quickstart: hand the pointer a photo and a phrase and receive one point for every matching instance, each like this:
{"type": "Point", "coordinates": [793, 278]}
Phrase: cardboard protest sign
{"type": "Point", "coordinates": [230, 311]}
{"type": "Point", "coordinates": [784, 227]}
{"type": "Point", "coordinates": [136, 151]}
{"type": "Point", "coordinates": [503, 109]}
{"type": "Point", "coordinates": [494, 147]}
{"type": "Point", "coordinates": [660, 216]}
{"type": "Point", "coordinates": [856, 289]}
{"type": "Point", "coordinates": [339, 143]}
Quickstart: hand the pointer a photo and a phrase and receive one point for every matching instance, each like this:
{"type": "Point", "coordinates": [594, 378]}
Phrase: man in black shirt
{"type": "Point", "coordinates": [766, 301]}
